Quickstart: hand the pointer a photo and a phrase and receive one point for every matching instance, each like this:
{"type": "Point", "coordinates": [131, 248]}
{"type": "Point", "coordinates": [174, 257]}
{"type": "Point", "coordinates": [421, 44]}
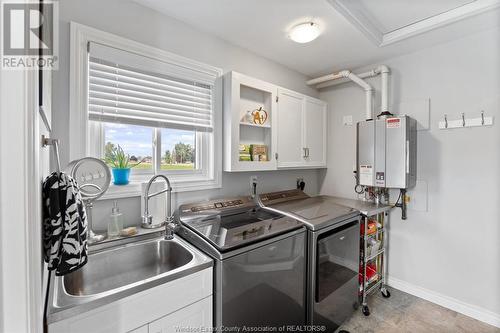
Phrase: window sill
{"type": "Point", "coordinates": [133, 189]}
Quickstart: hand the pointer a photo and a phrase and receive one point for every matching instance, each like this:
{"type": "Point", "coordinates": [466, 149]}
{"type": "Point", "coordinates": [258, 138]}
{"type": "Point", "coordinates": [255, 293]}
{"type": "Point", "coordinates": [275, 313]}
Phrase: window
{"type": "Point", "coordinates": [178, 150]}
{"type": "Point", "coordinates": [160, 108]}
{"type": "Point", "coordinates": [136, 141]}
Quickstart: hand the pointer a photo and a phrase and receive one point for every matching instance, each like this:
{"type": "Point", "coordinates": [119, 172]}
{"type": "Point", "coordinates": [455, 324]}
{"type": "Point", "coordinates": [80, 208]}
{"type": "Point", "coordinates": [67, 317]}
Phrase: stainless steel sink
{"type": "Point", "coordinates": [115, 273]}
{"type": "Point", "coordinates": [113, 269]}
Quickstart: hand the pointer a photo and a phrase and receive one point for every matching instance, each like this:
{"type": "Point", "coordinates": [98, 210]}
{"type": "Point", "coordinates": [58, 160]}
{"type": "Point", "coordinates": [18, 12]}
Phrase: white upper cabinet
{"type": "Point", "coordinates": [291, 151]}
{"type": "Point", "coordinates": [302, 136]}
{"type": "Point", "coordinates": [249, 124]}
{"type": "Point", "coordinates": [267, 127]}
{"type": "Point", "coordinates": [315, 135]}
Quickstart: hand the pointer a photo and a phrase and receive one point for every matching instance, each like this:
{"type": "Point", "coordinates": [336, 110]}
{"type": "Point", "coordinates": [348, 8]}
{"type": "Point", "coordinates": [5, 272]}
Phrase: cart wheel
{"type": "Point", "coordinates": [385, 293]}
{"type": "Point", "coordinates": [366, 310]}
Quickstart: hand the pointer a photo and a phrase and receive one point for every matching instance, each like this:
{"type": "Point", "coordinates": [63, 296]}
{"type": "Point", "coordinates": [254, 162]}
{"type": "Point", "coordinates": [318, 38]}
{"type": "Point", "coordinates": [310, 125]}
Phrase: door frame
{"type": "Point", "coordinates": [21, 287]}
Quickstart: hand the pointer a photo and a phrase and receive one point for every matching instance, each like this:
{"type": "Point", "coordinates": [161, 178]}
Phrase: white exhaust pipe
{"type": "Point", "coordinates": [364, 75]}
{"type": "Point", "coordinates": [384, 74]}
{"type": "Point", "coordinates": [337, 78]}
{"type": "Point", "coordinates": [368, 92]}
{"type": "Point", "coordinates": [329, 77]}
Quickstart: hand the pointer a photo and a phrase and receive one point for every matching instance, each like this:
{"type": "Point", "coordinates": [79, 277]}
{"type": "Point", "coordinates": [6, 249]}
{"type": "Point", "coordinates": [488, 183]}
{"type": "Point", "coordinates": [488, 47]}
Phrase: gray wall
{"type": "Point", "coordinates": [452, 250]}
{"type": "Point", "coordinates": [130, 20]}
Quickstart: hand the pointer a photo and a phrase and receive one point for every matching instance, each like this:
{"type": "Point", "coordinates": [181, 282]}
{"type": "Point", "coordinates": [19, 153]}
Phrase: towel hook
{"type": "Point", "coordinates": [55, 144]}
{"type": "Point", "coordinates": [482, 117]}
{"type": "Point", "coordinates": [463, 119]}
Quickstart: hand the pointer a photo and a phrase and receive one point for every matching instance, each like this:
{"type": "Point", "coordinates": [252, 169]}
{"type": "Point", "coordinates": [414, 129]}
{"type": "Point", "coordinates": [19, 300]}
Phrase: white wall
{"type": "Point", "coordinates": [130, 20]}
{"type": "Point", "coordinates": [452, 251]}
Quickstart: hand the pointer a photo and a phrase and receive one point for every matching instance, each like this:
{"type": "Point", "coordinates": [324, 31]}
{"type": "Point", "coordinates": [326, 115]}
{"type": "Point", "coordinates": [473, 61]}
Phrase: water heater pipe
{"type": "Point", "coordinates": [384, 74]}
{"type": "Point", "coordinates": [345, 75]}
{"type": "Point", "coordinates": [334, 82]}
{"type": "Point", "coordinates": [368, 92]}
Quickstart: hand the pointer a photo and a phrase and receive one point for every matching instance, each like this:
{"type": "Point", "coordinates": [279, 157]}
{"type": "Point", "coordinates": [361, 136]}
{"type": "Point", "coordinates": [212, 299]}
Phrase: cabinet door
{"type": "Point", "coordinates": [315, 136]}
{"type": "Point", "coordinates": [192, 317]}
{"type": "Point", "coordinates": [290, 124]}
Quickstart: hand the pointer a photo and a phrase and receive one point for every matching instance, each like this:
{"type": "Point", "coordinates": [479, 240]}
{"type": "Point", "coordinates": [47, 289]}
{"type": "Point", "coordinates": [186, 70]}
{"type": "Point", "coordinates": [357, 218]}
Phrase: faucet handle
{"type": "Point", "coordinates": [170, 227]}
{"type": "Point", "coordinates": [147, 221]}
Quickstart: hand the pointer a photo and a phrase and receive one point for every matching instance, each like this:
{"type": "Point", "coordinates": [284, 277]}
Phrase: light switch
{"type": "Point", "coordinates": [347, 120]}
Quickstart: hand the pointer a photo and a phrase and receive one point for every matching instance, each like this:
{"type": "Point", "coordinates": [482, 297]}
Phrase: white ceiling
{"type": "Point", "coordinates": [401, 14]}
{"type": "Point", "coordinates": [261, 26]}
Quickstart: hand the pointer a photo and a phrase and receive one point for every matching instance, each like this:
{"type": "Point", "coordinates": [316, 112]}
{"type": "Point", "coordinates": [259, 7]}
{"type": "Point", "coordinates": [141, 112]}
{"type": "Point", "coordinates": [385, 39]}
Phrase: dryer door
{"type": "Point", "coordinates": [336, 278]}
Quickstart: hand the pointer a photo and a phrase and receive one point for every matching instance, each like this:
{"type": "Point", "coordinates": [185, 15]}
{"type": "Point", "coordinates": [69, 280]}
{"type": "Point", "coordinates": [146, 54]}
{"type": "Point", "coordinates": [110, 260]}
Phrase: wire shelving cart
{"type": "Point", "coordinates": [373, 263]}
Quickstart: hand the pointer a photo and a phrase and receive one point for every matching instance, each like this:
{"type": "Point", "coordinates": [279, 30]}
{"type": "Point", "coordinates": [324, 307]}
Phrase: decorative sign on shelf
{"type": "Point", "coordinates": [257, 117]}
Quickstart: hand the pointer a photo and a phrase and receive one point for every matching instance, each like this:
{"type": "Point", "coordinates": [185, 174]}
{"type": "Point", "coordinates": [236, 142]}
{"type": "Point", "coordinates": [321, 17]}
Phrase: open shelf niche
{"type": "Point", "coordinates": [251, 100]}
{"type": "Point", "coordinates": [244, 97]}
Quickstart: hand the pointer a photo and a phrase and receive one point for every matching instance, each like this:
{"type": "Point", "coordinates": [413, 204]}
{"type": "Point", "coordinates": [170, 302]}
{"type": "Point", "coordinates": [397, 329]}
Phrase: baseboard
{"type": "Point", "coordinates": [469, 310]}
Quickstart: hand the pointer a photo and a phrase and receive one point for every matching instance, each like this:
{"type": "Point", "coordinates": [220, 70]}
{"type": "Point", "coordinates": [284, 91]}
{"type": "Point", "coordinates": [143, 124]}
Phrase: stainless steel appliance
{"type": "Point", "coordinates": [332, 254]}
{"type": "Point", "coordinates": [387, 152]}
{"type": "Point", "coordinates": [259, 270]}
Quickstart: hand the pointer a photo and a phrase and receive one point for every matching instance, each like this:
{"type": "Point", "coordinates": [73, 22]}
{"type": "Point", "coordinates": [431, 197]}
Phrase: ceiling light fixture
{"type": "Point", "coordinates": [304, 32]}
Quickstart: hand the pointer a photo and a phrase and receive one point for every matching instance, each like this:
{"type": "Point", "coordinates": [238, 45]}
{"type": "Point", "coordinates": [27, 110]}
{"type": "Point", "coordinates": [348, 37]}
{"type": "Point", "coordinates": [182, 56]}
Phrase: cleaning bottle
{"type": "Point", "coordinates": [115, 224]}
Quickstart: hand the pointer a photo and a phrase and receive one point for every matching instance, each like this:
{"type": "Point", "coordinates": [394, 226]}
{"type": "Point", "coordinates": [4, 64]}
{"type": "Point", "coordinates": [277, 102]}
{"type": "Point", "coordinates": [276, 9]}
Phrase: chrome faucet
{"type": "Point", "coordinates": [147, 219]}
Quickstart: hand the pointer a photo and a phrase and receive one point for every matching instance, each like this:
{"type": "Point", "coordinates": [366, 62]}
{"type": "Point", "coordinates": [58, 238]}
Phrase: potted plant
{"type": "Point", "coordinates": [120, 165]}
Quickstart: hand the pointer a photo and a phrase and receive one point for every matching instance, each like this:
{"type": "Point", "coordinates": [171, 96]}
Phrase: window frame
{"type": "Point", "coordinates": [209, 144]}
{"type": "Point", "coordinates": [96, 143]}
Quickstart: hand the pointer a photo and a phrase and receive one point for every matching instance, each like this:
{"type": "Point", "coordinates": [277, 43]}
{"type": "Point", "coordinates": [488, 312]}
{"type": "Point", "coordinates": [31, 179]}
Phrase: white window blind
{"type": "Point", "coordinates": [128, 88]}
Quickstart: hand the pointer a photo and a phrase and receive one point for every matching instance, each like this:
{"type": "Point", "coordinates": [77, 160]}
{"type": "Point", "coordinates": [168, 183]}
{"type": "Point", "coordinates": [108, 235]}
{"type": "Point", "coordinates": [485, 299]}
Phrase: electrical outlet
{"type": "Point", "coordinates": [253, 180]}
{"type": "Point", "coordinates": [347, 120]}
{"type": "Point", "coordinates": [253, 185]}
{"type": "Point", "coordinates": [301, 183]}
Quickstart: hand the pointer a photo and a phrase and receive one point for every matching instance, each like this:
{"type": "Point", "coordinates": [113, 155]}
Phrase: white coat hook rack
{"type": "Point", "coordinates": [465, 122]}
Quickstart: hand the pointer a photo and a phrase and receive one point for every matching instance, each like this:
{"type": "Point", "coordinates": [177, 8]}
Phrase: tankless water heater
{"type": "Point", "coordinates": [387, 152]}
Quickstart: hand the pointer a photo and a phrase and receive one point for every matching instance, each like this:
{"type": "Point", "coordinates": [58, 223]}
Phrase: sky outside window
{"type": "Point", "coordinates": [136, 141]}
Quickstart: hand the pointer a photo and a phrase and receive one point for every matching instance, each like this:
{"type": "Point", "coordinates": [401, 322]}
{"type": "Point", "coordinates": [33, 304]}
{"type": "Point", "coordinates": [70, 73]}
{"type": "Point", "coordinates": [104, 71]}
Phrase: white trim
{"type": "Point", "coordinates": [20, 236]}
{"type": "Point", "coordinates": [33, 213]}
{"type": "Point", "coordinates": [80, 37]}
{"type": "Point", "coordinates": [373, 32]}
{"type": "Point", "coordinates": [359, 20]}
{"type": "Point", "coordinates": [133, 189]}
{"type": "Point", "coordinates": [451, 303]}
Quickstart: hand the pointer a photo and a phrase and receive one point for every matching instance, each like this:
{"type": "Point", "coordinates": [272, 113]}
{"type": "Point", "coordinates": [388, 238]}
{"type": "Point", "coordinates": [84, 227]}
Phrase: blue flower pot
{"type": "Point", "coordinates": [120, 176]}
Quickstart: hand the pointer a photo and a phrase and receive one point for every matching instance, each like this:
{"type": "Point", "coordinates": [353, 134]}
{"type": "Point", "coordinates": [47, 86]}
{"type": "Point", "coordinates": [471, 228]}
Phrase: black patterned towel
{"type": "Point", "coordinates": [64, 224]}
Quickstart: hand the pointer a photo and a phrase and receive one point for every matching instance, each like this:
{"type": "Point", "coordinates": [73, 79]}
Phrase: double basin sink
{"type": "Point", "coordinates": [115, 273]}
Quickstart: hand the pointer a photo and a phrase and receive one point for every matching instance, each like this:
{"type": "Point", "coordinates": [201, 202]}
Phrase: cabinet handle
{"type": "Point", "coordinates": [305, 152]}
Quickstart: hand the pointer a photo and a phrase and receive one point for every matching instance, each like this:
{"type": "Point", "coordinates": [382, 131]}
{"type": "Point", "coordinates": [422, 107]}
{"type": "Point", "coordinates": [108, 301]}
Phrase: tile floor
{"type": "Point", "coordinates": [406, 313]}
